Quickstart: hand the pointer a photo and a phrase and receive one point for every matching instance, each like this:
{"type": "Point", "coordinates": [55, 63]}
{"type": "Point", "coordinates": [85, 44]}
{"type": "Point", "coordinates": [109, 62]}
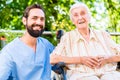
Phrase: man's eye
{"type": "Point", "coordinates": [34, 18]}
{"type": "Point", "coordinates": [42, 18]}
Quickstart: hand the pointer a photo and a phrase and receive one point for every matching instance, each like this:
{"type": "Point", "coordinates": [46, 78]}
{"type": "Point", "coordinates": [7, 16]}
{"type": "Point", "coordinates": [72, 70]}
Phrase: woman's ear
{"type": "Point", "coordinates": [24, 20]}
{"type": "Point", "coordinates": [90, 17]}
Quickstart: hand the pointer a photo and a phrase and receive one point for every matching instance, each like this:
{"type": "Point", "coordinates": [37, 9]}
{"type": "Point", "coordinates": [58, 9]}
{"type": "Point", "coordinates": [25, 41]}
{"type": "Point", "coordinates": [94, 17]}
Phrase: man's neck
{"type": "Point", "coordinates": [30, 41]}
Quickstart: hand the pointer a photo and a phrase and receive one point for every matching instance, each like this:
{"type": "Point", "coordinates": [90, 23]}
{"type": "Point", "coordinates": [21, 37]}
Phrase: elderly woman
{"type": "Point", "coordinates": [89, 54]}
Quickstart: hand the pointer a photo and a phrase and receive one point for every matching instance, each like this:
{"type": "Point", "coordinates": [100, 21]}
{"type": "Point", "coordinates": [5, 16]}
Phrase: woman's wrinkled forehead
{"type": "Point", "coordinates": [77, 5]}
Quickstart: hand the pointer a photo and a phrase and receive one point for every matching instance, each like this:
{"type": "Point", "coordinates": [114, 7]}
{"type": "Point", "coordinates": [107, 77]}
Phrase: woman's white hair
{"type": "Point", "coordinates": [78, 4]}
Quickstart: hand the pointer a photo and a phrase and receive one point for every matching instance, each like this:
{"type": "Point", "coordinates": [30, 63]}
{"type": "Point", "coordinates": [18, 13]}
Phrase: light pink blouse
{"type": "Point", "coordinates": [73, 44]}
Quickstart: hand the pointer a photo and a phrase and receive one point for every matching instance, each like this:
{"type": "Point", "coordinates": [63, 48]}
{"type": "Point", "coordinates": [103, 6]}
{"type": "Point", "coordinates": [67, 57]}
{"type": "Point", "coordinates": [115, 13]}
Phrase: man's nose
{"type": "Point", "coordinates": [38, 21]}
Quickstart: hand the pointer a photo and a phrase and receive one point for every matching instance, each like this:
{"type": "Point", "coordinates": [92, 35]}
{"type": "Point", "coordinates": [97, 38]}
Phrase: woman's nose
{"type": "Point", "coordinates": [80, 17]}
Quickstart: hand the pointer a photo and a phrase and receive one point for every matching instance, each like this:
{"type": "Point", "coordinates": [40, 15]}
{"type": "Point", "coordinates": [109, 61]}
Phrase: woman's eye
{"type": "Point", "coordinates": [76, 15]}
{"type": "Point", "coordinates": [82, 13]}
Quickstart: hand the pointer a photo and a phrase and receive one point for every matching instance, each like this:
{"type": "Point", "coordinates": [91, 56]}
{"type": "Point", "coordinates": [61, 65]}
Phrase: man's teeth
{"type": "Point", "coordinates": [36, 28]}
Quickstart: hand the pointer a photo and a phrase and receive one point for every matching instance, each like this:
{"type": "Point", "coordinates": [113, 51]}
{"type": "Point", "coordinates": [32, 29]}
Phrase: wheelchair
{"type": "Point", "coordinates": [60, 69]}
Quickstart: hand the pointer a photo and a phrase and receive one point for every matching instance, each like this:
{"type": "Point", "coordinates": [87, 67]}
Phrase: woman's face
{"type": "Point", "coordinates": [80, 17]}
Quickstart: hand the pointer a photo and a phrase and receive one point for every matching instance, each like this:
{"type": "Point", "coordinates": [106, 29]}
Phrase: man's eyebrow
{"type": "Point", "coordinates": [38, 16]}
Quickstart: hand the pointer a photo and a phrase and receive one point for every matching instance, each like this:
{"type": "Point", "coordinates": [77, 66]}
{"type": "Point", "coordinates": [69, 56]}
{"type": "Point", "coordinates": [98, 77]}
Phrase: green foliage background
{"type": "Point", "coordinates": [57, 15]}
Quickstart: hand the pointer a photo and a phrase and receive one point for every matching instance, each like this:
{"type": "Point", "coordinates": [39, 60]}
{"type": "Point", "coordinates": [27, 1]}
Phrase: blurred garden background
{"type": "Point", "coordinates": [105, 16]}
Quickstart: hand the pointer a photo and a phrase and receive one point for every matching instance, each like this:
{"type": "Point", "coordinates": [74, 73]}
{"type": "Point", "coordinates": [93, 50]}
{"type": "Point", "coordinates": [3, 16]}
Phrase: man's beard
{"type": "Point", "coordinates": [35, 33]}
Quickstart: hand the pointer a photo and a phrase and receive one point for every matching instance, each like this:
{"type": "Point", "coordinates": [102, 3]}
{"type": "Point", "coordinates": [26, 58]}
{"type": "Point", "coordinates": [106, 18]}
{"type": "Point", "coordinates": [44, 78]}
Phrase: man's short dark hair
{"type": "Point", "coordinates": [26, 12]}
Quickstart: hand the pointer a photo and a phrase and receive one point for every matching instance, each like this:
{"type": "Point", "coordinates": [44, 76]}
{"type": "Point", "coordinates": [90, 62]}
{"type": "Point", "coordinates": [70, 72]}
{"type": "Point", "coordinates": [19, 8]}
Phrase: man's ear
{"type": "Point", "coordinates": [24, 20]}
